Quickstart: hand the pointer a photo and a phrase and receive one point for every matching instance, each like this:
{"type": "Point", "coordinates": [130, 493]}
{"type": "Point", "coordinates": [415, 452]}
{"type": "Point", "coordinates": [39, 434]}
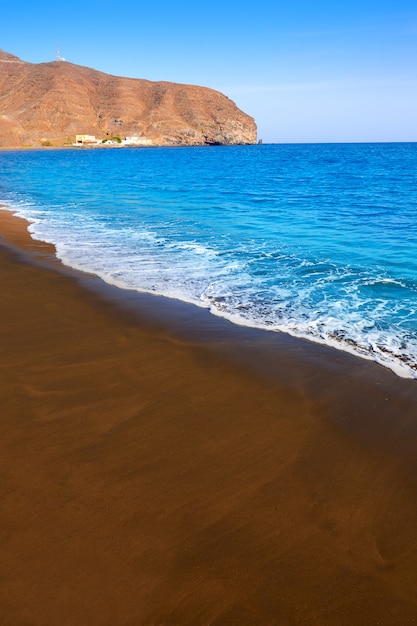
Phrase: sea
{"type": "Point", "coordinates": [318, 241]}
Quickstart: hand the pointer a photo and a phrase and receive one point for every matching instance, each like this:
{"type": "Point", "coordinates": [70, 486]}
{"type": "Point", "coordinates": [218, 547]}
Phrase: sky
{"type": "Point", "coordinates": [307, 71]}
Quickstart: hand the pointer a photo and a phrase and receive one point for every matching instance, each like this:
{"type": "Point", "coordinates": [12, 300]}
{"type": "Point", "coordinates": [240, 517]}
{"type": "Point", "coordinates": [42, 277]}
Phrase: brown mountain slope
{"type": "Point", "coordinates": [50, 103]}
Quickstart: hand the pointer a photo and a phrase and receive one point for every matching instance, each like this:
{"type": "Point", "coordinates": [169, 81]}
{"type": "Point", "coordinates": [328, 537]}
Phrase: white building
{"type": "Point", "coordinates": [137, 141]}
{"type": "Point", "coordinates": [81, 140]}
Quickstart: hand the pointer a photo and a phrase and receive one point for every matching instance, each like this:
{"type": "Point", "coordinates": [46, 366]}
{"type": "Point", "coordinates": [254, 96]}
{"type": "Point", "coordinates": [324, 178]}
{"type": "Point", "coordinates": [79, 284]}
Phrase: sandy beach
{"type": "Point", "coordinates": [163, 467]}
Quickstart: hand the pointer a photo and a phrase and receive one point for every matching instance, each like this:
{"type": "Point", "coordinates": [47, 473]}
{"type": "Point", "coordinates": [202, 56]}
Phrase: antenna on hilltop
{"type": "Point", "coordinates": [58, 54]}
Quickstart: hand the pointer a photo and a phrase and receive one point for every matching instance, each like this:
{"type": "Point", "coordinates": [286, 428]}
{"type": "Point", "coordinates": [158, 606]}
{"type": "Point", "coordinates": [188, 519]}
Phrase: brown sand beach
{"type": "Point", "coordinates": [160, 466]}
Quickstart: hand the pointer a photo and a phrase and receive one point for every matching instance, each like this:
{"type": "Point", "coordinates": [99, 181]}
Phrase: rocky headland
{"type": "Point", "coordinates": [48, 104]}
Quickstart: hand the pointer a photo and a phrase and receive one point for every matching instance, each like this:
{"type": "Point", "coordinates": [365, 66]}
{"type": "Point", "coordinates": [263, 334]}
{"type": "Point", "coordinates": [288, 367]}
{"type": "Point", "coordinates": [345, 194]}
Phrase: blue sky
{"type": "Point", "coordinates": [318, 71]}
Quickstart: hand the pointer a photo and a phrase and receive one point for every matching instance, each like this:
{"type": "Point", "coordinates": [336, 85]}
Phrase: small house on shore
{"type": "Point", "coordinates": [137, 141]}
{"type": "Point", "coordinates": [82, 140]}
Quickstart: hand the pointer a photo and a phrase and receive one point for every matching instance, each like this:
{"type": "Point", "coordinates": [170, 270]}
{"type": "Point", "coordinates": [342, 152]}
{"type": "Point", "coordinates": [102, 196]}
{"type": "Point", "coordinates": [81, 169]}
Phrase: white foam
{"type": "Point", "coordinates": [190, 271]}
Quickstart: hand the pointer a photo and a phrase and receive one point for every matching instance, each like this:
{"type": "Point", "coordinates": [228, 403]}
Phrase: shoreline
{"type": "Point", "coordinates": [195, 324]}
{"type": "Point", "coordinates": [165, 466]}
{"type": "Point", "coordinates": [172, 307]}
{"type": "Point", "coordinates": [264, 143]}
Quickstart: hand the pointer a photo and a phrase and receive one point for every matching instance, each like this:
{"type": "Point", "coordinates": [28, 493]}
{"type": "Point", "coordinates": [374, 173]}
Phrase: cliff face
{"type": "Point", "coordinates": [50, 103]}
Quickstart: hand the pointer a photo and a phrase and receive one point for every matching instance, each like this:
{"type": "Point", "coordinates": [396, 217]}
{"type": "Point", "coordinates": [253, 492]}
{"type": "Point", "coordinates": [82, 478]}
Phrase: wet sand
{"type": "Point", "coordinates": [160, 466]}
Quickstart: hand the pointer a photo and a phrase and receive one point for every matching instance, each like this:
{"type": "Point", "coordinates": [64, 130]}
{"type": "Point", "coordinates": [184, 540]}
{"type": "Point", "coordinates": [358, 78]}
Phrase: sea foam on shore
{"type": "Point", "coordinates": [315, 241]}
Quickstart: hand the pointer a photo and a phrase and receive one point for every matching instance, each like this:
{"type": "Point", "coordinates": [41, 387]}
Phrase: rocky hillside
{"type": "Point", "coordinates": [51, 103]}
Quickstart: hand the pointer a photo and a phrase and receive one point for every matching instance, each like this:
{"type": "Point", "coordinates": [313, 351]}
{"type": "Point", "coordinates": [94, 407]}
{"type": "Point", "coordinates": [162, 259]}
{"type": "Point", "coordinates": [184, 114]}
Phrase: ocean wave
{"type": "Point", "coordinates": [292, 247]}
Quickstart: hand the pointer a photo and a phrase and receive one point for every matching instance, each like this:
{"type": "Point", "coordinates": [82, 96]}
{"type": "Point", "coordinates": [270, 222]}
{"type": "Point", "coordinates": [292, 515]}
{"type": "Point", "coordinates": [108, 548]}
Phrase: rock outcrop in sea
{"type": "Point", "coordinates": [51, 103]}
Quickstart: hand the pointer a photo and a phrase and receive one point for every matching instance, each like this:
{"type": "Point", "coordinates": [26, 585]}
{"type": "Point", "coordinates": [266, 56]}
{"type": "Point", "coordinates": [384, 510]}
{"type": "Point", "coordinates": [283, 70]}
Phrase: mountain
{"type": "Point", "coordinates": [51, 103]}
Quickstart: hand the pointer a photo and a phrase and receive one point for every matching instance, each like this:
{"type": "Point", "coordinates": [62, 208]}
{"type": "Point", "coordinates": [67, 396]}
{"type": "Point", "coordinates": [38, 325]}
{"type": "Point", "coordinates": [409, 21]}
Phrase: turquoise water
{"type": "Point", "coordinates": [319, 241]}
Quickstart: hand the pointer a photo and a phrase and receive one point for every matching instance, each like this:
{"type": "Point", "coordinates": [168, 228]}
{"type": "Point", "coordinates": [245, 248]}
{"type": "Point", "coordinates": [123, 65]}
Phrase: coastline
{"type": "Point", "coordinates": [163, 466]}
